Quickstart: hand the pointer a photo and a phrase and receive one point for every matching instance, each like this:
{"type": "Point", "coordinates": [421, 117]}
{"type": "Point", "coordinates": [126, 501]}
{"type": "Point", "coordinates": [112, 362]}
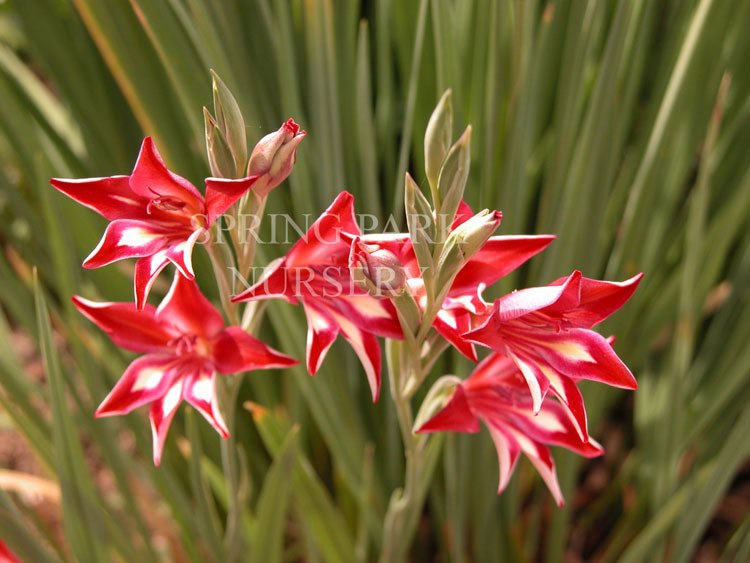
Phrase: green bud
{"type": "Point", "coordinates": [220, 158]}
{"type": "Point", "coordinates": [229, 120]}
{"type": "Point", "coordinates": [463, 243]}
{"type": "Point", "coordinates": [452, 181]}
{"type": "Point", "coordinates": [420, 219]}
{"type": "Point", "coordinates": [437, 142]}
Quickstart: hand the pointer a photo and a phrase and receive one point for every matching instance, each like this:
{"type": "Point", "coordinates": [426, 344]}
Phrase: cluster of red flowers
{"type": "Point", "coordinates": [525, 391]}
{"type": "Point", "coordinates": [157, 217]}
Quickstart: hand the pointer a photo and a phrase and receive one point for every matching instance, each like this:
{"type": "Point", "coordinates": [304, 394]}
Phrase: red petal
{"type": "Point", "coordinates": [549, 298]}
{"type": "Point", "coordinates": [451, 325]}
{"type": "Point", "coordinates": [566, 390]}
{"type": "Point", "coordinates": [507, 455]}
{"type": "Point", "coordinates": [222, 193]}
{"type": "Point", "coordinates": [144, 381]}
{"type": "Point", "coordinates": [323, 242]}
{"type": "Point", "coordinates": [585, 354]}
{"type": "Point", "coordinates": [599, 299]}
{"type": "Point", "coordinates": [200, 391]}
{"type": "Point", "coordinates": [161, 414]}
{"type": "Point", "coordinates": [110, 197]}
{"type": "Point", "coordinates": [147, 269]}
{"type": "Point", "coordinates": [463, 214]}
{"type": "Point", "coordinates": [125, 238]}
{"type": "Point", "coordinates": [181, 253]}
{"type": "Point", "coordinates": [137, 331]}
{"type": "Point", "coordinates": [322, 330]}
{"type": "Point", "coordinates": [534, 376]}
{"type": "Point", "coordinates": [187, 310]}
{"type": "Point", "coordinates": [373, 315]}
{"type": "Point", "coordinates": [455, 416]}
{"type": "Point", "coordinates": [366, 346]}
{"type": "Point", "coordinates": [234, 351]}
{"type": "Point", "coordinates": [274, 284]}
{"type": "Point", "coordinates": [151, 178]}
{"type": "Point", "coordinates": [497, 258]}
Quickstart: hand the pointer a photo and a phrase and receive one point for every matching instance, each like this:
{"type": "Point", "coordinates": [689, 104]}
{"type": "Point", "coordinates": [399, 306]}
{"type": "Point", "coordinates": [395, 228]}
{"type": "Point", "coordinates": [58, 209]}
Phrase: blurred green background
{"type": "Point", "coordinates": [621, 126]}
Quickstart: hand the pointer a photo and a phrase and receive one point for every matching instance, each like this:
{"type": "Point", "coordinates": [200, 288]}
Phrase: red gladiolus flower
{"type": "Point", "coordinates": [316, 273]}
{"type": "Point", "coordinates": [545, 331]}
{"type": "Point", "coordinates": [463, 305]}
{"type": "Point", "coordinates": [185, 344]}
{"type": "Point", "coordinates": [497, 394]}
{"type": "Point", "coordinates": [156, 216]}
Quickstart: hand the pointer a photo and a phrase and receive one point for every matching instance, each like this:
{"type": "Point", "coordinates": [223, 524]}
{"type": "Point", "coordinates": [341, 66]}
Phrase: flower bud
{"type": "Point", "coordinates": [376, 270]}
{"type": "Point", "coordinates": [464, 242]}
{"type": "Point", "coordinates": [273, 157]}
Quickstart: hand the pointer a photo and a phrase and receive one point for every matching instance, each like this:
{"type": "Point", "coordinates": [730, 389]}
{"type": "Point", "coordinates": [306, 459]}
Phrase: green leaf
{"type": "Point", "coordinates": [268, 535]}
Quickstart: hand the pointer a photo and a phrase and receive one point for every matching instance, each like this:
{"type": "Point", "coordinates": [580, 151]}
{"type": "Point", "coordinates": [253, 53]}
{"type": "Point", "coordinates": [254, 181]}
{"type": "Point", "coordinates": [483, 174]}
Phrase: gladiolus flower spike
{"type": "Point", "coordinates": [185, 344]}
{"type": "Point", "coordinates": [156, 215]}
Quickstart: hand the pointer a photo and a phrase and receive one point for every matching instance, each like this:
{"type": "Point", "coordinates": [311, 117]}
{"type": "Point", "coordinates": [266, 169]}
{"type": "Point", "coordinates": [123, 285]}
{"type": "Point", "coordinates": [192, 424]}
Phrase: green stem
{"type": "Point", "coordinates": [405, 502]}
{"type": "Point", "coordinates": [220, 266]}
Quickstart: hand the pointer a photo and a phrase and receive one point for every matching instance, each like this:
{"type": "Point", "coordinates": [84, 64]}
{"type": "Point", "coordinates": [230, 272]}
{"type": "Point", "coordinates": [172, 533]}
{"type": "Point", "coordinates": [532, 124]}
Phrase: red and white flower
{"type": "Point", "coordinates": [497, 394]}
{"type": "Point", "coordinates": [464, 306]}
{"type": "Point", "coordinates": [316, 273]}
{"type": "Point", "coordinates": [185, 344]}
{"type": "Point", "coordinates": [156, 215]}
{"type": "Point", "coordinates": [546, 332]}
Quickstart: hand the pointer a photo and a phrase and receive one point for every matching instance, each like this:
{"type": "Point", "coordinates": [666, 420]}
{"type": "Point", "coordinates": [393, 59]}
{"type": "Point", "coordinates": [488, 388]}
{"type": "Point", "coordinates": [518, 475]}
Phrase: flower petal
{"type": "Point", "coordinates": [455, 416]}
{"type": "Point", "coordinates": [451, 325]}
{"type": "Point", "coordinates": [137, 331]}
{"type": "Point", "coordinates": [534, 376]}
{"type": "Point", "coordinates": [366, 346]}
{"type": "Point", "coordinates": [549, 298]}
{"type": "Point", "coordinates": [200, 391]}
{"type": "Point", "coordinates": [147, 269]}
{"type": "Point", "coordinates": [507, 449]}
{"type": "Point", "coordinates": [584, 354]}
{"type": "Point", "coordinates": [181, 253]}
{"type": "Point", "coordinates": [599, 299]}
{"type": "Point", "coordinates": [161, 414]}
{"type": "Point", "coordinates": [144, 381]}
{"type": "Point", "coordinates": [151, 178]}
{"type": "Point", "coordinates": [497, 258]}
{"type": "Point", "coordinates": [187, 310]}
{"type": "Point", "coordinates": [126, 238]}
{"type": "Point", "coordinates": [273, 284]}
{"type": "Point", "coordinates": [111, 197]}
{"type": "Point", "coordinates": [323, 242]}
{"type": "Point", "coordinates": [234, 351]}
{"type": "Point", "coordinates": [322, 331]}
{"type": "Point", "coordinates": [222, 193]}
{"type": "Point", "coordinates": [377, 316]}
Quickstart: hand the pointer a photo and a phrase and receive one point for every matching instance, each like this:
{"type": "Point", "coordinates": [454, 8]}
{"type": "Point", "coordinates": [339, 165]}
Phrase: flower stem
{"type": "Point", "coordinates": [400, 519]}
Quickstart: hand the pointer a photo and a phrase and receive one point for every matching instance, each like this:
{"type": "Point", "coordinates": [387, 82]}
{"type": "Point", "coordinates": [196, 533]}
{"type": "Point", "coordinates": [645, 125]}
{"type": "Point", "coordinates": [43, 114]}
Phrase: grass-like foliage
{"type": "Point", "coordinates": [621, 126]}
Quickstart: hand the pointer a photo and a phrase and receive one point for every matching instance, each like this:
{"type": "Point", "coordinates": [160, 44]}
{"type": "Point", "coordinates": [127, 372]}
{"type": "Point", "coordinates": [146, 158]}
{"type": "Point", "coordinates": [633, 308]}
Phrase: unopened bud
{"type": "Point", "coordinates": [273, 157]}
{"type": "Point", "coordinates": [376, 270]}
{"type": "Point", "coordinates": [220, 158]}
{"type": "Point", "coordinates": [471, 235]}
{"type": "Point", "coordinates": [464, 242]}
